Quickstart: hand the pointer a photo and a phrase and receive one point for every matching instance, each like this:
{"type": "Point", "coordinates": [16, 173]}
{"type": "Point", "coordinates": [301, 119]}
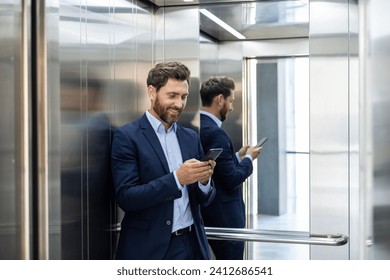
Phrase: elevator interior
{"type": "Point", "coordinates": [320, 64]}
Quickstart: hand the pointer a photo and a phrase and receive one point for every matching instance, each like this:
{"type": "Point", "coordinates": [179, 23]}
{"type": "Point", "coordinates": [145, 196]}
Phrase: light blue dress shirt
{"type": "Point", "coordinates": [182, 216]}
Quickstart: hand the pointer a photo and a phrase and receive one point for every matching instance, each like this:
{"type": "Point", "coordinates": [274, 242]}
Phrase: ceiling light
{"type": "Point", "coordinates": [222, 24]}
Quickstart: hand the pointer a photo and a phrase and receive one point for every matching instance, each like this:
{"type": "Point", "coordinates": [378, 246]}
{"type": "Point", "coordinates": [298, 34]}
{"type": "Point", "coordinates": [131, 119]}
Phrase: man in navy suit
{"type": "Point", "coordinates": [159, 181]}
{"type": "Point", "coordinates": [232, 169]}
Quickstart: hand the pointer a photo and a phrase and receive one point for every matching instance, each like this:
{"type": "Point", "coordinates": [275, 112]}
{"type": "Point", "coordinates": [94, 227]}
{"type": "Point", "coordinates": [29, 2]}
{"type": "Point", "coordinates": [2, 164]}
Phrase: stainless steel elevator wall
{"type": "Point", "coordinates": [104, 54]}
{"type": "Point", "coordinates": [330, 120]}
{"type": "Point", "coordinates": [98, 56]}
{"type": "Point", "coordinates": [376, 126]}
{"type": "Point", "coordinates": [10, 89]}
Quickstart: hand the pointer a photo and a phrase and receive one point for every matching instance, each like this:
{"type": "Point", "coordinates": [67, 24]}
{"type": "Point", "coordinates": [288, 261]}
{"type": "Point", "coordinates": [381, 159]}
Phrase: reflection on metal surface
{"type": "Point", "coordinates": [258, 20]}
{"type": "Point", "coordinates": [273, 236]}
{"type": "Point", "coordinates": [117, 42]}
{"type": "Point", "coordinates": [23, 131]}
{"type": "Point", "coordinates": [221, 23]}
{"type": "Point", "coordinates": [330, 123]}
{"type": "Point", "coordinates": [42, 130]}
{"type": "Point", "coordinates": [375, 111]}
{"type": "Point", "coordinates": [100, 51]}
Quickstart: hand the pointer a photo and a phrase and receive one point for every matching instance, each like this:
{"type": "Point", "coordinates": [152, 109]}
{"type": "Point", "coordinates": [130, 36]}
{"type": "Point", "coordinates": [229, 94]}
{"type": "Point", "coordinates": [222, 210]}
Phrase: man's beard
{"type": "Point", "coordinates": [163, 113]}
{"type": "Point", "coordinates": [223, 113]}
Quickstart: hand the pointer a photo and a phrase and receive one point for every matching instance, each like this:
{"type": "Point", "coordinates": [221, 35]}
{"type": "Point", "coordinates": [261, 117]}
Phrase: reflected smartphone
{"type": "Point", "coordinates": [261, 142]}
{"type": "Point", "coordinates": [212, 154]}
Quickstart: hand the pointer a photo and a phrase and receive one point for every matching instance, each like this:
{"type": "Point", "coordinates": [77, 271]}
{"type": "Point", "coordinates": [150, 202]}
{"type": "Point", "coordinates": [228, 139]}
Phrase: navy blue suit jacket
{"type": "Point", "coordinates": [145, 190]}
{"type": "Point", "coordinates": [227, 209]}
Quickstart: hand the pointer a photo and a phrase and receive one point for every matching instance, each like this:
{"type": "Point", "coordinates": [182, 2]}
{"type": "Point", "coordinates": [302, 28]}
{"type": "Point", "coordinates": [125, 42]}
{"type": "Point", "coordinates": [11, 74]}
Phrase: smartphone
{"type": "Point", "coordinates": [261, 142]}
{"type": "Point", "coordinates": [212, 154]}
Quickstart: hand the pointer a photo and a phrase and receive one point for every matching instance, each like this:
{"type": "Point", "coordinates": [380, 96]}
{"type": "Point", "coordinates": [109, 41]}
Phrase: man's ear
{"type": "Point", "coordinates": [221, 99]}
{"type": "Point", "coordinates": [152, 93]}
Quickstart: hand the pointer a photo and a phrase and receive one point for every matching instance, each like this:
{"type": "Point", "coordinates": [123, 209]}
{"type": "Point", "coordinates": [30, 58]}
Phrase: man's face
{"type": "Point", "coordinates": [168, 103]}
{"type": "Point", "coordinates": [227, 106]}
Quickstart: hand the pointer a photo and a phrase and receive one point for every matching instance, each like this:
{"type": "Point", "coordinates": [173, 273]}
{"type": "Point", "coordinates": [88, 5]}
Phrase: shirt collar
{"type": "Point", "coordinates": [157, 125]}
{"type": "Point", "coordinates": [214, 118]}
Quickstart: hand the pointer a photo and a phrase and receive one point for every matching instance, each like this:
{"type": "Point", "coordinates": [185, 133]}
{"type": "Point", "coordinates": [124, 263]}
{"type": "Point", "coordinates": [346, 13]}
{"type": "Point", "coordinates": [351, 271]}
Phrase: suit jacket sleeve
{"type": "Point", "coordinates": [229, 172]}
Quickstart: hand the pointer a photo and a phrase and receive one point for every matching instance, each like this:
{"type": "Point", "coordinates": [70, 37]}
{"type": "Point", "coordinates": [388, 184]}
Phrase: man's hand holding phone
{"type": "Point", "coordinates": [254, 151]}
{"type": "Point", "coordinates": [193, 170]}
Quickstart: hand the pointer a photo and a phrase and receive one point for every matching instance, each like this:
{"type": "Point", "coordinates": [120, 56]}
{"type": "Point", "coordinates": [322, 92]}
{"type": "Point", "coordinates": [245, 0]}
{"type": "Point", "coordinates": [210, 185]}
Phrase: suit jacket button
{"type": "Point", "coordinates": [168, 223]}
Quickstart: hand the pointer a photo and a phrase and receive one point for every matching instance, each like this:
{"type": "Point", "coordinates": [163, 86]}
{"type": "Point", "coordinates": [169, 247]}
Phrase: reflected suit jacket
{"type": "Point", "coordinates": [227, 209]}
{"type": "Point", "coordinates": [145, 190]}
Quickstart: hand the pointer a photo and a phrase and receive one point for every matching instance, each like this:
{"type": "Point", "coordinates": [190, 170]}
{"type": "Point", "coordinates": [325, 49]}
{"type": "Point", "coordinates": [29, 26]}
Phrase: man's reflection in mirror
{"type": "Point", "coordinates": [86, 190]}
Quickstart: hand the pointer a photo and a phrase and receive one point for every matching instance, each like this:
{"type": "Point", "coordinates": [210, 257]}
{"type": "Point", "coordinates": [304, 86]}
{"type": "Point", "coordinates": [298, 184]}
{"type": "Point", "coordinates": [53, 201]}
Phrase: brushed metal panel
{"type": "Point", "coordinates": [180, 31]}
{"type": "Point", "coordinates": [329, 124]}
{"type": "Point", "coordinates": [53, 113]}
{"type": "Point", "coordinates": [376, 109]}
{"type": "Point", "coordinates": [208, 57]}
{"type": "Point", "coordinates": [276, 48]}
{"type": "Point", "coordinates": [256, 20]}
{"type": "Point", "coordinates": [230, 63]}
{"type": "Point", "coordinates": [99, 62]}
{"type": "Point", "coordinates": [11, 44]}
{"type": "Point", "coordinates": [358, 195]}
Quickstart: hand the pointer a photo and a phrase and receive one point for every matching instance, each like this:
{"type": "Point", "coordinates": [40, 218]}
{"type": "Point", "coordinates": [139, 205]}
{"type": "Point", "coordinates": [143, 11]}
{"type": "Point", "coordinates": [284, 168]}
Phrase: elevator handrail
{"type": "Point", "coordinates": [271, 236]}
{"type": "Point", "coordinates": [276, 236]}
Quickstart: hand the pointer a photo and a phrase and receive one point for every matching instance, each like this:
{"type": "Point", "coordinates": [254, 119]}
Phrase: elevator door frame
{"type": "Point", "coordinates": [280, 146]}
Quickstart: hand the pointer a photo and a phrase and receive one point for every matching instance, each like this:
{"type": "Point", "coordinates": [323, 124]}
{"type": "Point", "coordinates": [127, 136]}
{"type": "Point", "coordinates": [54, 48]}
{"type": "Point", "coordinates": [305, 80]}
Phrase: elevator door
{"type": "Point", "coordinates": [278, 190]}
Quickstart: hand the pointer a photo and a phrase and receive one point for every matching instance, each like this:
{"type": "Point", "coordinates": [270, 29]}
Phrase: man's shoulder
{"type": "Point", "coordinates": [206, 119]}
{"type": "Point", "coordinates": [213, 134]}
{"type": "Point", "coordinates": [211, 127]}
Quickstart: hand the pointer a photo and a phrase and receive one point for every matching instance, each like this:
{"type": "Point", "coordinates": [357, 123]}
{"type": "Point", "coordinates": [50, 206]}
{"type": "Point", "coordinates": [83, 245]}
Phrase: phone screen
{"type": "Point", "coordinates": [212, 154]}
{"type": "Point", "coordinates": [261, 142]}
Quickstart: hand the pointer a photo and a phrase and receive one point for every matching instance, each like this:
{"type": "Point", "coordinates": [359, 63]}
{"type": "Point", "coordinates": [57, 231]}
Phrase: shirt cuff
{"type": "Point", "coordinates": [248, 156]}
{"type": "Point", "coordinates": [179, 186]}
{"type": "Point", "coordinates": [205, 188]}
